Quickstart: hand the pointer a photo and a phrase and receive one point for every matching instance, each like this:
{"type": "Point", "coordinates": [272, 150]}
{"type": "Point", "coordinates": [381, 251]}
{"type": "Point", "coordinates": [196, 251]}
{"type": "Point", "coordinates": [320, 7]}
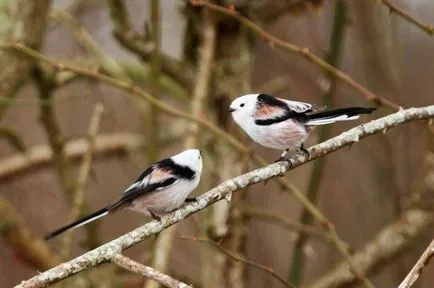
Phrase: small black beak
{"type": "Point", "coordinates": [231, 109]}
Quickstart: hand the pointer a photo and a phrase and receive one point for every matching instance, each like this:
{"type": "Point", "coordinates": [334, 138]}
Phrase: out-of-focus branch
{"type": "Point", "coordinates": [30, 249]}
{"type": "Point", "coordinates": [53, 132]}
{"type": "Point", "coordinates": [165, 240]}
{"type": "Point", "coordinates": [22, 22]}
{"type": "Point", "coordinates": [83, 37]}
{"type": "Point", "coordinates": [83, 175]}
{"type": "Point", "coordinates": [336, 39]}
{"type": "Point", "coordinates": [143, 47]}
{"type": "Point", "coordinates": [129, 87]}
{"type": "Point", "coordinates": [13, 138]}
{"type": "Point", "coordinates": [352, 136]}
{"type": "Point", "coordinates": [238, 258]}
{"type": "Point", "coordinates": [389, 242]}
{"type": "Point", "coordinates": [152, 115]}
{"type": "Point", "coordinates": [304, 52]}
{"type": "Point", "coordinates": [284, 222]}
{"type": "Point", "coordinates": [402, 13]}
{"type": "Point", "coordinates": [147, 271]}
{"type": "Point", "coordinates": [40, 156]}
{"type": "Point", "coordinates": [416, 271]}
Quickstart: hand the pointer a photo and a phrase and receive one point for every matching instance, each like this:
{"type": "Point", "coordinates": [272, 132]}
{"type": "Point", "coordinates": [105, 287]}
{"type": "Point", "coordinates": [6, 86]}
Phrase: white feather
{"type": "Point", "coordinates": [90, 220]}
{"type": "Point", "coordinates": [297, 106]}
{"type": "Point", "coordinates": [324, 121]}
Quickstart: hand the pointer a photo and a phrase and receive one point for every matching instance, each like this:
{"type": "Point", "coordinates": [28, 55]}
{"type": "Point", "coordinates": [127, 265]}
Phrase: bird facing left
{"type": "Point", "coordinates": [160, 189]}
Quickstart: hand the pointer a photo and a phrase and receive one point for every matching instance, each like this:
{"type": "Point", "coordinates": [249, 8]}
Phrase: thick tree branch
{"type": "Point", "coordinates": [147, 271]}
{"type": "Point", "coordinates": [416, 271]}
{"type": "Point", "coordinates": [106, 252]}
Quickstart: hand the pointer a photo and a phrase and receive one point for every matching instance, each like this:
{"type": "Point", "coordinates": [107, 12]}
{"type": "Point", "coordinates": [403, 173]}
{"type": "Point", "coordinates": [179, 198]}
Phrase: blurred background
{"type": "Point", "coordinates": [197, 60]}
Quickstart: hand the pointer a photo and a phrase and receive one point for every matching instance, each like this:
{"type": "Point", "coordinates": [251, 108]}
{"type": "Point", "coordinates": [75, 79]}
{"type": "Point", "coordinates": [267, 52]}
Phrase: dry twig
{"type": "Point", "coordinates": [401, 12]}
{"type": "Point", "coordinates": [416, 271]}
{"type": "Point", "coordinates": [147, 271]}
{"type": "Point", "coordinates": [304, 52]}
{"type": "Point", "coordinates": [238, 258]}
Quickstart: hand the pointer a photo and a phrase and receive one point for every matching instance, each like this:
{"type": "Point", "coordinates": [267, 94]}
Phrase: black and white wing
{"type": "Point", "coordinates": [296, 106]}
{"type": "Point", "coordinates": [271, 110]}
{"type": "Point", "coordinates": [157, 177]}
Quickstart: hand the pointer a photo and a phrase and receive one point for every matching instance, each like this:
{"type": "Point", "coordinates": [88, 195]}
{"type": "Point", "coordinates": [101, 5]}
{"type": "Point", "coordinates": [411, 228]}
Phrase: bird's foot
{"type": "Point", "coordinates": [154, 216]}
{"type": "Point", "coordinates": [188, 200]}
{"type": "Point", "coordinates": [304, 151]}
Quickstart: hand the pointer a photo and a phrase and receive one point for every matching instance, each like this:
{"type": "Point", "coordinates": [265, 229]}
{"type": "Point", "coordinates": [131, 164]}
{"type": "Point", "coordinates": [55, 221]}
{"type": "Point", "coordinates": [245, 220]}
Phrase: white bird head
{"type": "Point", "coordinates": [191, 158]}
{"type": "Point", "coordinates": [243, 109]}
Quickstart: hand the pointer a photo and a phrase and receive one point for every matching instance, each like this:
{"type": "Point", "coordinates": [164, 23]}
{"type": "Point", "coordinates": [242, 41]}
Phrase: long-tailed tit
{"type": "Point", "coordinates": [160, 189]}
{"type": "Point", "coordinates": [282, 124]}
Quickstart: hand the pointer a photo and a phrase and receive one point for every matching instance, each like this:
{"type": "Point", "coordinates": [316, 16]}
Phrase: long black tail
{"type": "Point", "coordinates": [80, 222]}
{"type": "Point", "coordinates": [343, 114]}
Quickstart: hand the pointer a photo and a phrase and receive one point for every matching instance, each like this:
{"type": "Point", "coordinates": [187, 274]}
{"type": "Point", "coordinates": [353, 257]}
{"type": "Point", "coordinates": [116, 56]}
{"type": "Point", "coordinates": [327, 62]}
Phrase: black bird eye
{"type": "Point", "coordinates": [242, 105]}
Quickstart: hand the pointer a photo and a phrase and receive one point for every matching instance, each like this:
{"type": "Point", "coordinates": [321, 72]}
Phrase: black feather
{"type": "Point", "coordinates": [351, 111]}
{"type": "Point", "coordinates": [75, 223]}
{"type": "Point", "coordinates": [139, 191]}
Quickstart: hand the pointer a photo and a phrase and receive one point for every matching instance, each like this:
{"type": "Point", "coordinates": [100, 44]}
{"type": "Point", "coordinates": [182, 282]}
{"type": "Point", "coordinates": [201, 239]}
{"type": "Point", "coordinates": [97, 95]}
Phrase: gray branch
{"type": "Point", "coordinates": [147, 271]}
{"type": "Point", "coordinates": [416, 271]}
{"type": "Point", "coordinates": [107, 251]}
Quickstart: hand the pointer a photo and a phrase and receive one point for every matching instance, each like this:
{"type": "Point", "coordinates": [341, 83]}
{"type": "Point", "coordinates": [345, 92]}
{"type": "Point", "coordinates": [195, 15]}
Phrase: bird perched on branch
{"type": "Point", "coordinates": [160, 189]}
{"type": "Point", "coordinates": [282, 124]}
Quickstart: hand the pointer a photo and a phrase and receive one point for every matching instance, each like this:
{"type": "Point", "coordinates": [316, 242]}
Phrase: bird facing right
{"type": "Point", "coordinates": [282, 124]}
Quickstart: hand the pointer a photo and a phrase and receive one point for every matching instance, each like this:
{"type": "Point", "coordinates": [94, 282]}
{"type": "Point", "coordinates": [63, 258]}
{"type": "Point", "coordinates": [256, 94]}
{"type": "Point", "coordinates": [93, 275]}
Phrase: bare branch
{"type": "Point", "coordinates": [83, 175]}
{"type": "Point", "coordinates": [416, 271]}
{"type": "Point", "coordinates": [304, 52]}
{"type": "Point", "coordinates": [388, 243]}
{"type": "Point", "coordinates": [395, 9]}
{"type": "Point", "coordinates": [147, 271]}
{"type": "Point", "coordinates": [107, 251]}
{"type": "Point", "coordinates": [238, 258]}
{"type": "Point", "coordinates": [40, 156]}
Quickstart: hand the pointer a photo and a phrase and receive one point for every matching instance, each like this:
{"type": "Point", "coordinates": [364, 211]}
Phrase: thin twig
{"type": "Point", "coordinates": [305, 52]}
{"type": "Point", "coordinates": [107, 251]}
{"type": "Point", "coordinates": [147, 271]}
{"type": "Point", "coordinates": [238, 258]}
{"type": "Point", "coordinates": [83, 175]}
{"type": "Point", "coordinates": [416, 271]}
{"type": "Point", "coordinates": [401, 12]}
{"type": "Point", "coordinates": [284, 222]}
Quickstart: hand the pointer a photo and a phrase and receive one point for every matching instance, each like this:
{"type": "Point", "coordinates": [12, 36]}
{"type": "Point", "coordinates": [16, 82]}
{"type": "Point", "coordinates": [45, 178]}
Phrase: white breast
{"type": "Point", "coordinates": [284, 135]}
{"type": "Point", "coordinates": [166, 199]}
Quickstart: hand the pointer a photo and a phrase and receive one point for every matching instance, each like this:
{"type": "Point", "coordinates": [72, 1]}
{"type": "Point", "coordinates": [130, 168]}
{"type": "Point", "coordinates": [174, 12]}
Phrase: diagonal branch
{"type": "Point", "coordinates": [304, 52]}
{"type": "Point", "coordinates": [147, 271]}
{"type": "Point", "coordinates": [389, 243]}
{"type": "Point", "coordinates": [107, 251]}
{"type": "Point", "coordinates": [416, 271]}
{"type": "Point", "coordinates": [235, 256]}
{"type": "Point", "coordinates": [395, 9]}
